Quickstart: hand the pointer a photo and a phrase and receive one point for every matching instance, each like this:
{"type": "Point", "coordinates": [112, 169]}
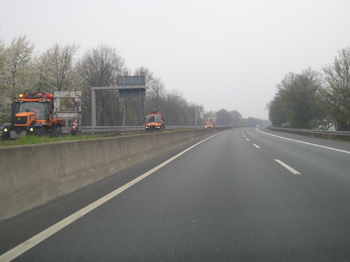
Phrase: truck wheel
{"type": "Point", "coordinates": [57, 131]}
{"type": "Point", "coordinates": [37, 131]}
{"type": "Point", "coordinates": [5, 136]}
{"type": "Point", "coordinates": [41, 132]}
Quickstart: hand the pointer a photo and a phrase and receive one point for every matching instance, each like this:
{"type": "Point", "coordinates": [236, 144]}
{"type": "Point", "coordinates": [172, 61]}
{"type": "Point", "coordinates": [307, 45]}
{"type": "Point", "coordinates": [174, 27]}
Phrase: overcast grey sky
{"type": "Point", "coordinates": [220, 54]}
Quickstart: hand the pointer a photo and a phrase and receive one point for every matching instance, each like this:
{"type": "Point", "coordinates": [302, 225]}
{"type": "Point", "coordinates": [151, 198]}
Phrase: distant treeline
{"type": "Point", "coordinates": [314, 99]}
{"type": "Point", "coordinates": [59, 69]}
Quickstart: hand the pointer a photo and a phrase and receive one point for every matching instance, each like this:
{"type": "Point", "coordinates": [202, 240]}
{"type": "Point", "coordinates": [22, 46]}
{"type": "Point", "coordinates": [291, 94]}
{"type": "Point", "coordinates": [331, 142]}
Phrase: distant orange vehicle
{"type": "Point", "coordinates": [154, 121]}
{"type": "Point", "coordinates": [210, 122]}
{"type": "Point", "coordinates": [32, 113]}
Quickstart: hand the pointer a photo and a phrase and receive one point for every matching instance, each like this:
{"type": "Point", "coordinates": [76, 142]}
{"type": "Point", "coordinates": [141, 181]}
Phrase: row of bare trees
{"type": "Point", "coordinates": [23, 71]}
{"type": "Point", "coordinates": [59, 69]}
{"type": "Point", "coordinates": [314, 99]}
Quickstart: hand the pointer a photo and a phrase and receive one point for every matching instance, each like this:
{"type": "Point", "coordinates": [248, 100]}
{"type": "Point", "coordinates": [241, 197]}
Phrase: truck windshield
{"type": "Point", "coordinates": [151, 119]}
{"type": "Point", "coordinates": [36, 107]}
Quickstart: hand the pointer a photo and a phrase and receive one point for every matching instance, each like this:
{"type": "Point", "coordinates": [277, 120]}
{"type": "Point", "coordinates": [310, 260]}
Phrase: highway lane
{"type": "Point", "coordinates": [312, 155]}
{"type": "Point", "coordinates": [226, 199]}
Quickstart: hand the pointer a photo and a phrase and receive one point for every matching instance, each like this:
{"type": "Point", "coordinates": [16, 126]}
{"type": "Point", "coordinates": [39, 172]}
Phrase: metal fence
{"type": "Point", "coordinates": [125, 129]}
{"type": "Point", "coordinates": [316, 133]}
{"type": "Point", "coordinates": [122, 129]}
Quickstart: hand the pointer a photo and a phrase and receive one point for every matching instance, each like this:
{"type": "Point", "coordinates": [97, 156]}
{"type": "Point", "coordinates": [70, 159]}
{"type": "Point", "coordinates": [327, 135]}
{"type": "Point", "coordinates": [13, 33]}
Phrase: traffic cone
{"type": "Point", "coordinates": [75, 126]}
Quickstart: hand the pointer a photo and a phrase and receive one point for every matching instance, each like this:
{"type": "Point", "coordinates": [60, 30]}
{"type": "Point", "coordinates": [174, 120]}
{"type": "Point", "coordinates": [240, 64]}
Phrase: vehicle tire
{"type": "Point", "coordinates": [57, 131]}
{"type": "Point", "coordinates": [41, 132]}
{"type": "Point", "coordinates": [5, 136]}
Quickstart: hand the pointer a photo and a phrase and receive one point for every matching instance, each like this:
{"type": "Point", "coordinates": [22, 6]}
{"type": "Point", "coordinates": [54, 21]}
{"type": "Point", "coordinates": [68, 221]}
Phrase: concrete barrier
{"type": "Point", "coordinates": [32, 175]}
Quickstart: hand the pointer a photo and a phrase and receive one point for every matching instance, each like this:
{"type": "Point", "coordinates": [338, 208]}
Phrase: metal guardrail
{"type": "Point", "coordinates": [311, 131]}
{"type": "Point", "coordinates": [126, 129]}
{"type": "Point", "coordinates": [110, 129]}
{"type": "Point", "coordinates": [121, 129]}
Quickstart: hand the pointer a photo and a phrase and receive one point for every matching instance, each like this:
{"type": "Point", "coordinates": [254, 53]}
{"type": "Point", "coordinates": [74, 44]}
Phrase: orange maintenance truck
{"type": "Point", "coordinates": [210, 122]}
{"type": "Point", "coordinates": [32, 113]}
{"type": "Point", "coordinates": [154, 121]}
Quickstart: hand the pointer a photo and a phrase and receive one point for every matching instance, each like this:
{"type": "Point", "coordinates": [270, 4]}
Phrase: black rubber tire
{"type": "Point", "coordinates": [41, 132]}
{"type": "Point", "coordinates": [5, 136]}
{"type": "Point", "coordinates": [57, 131]}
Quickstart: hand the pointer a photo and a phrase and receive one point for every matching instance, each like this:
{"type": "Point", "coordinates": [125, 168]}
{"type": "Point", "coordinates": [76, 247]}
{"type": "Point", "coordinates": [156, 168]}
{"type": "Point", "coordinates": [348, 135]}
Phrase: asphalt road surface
{"type": "Point", "coordinates": [241, 195]}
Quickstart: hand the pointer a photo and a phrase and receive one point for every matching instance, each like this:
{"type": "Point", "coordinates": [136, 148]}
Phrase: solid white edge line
{"type": "Point", "coordinates": [28, 244]}
{"type": "Point", "coordinates": [288, 167]}
{"type": "Point", "coordinates": [306, 143]}
{"type": "Point", "coordinates": [256, 146]}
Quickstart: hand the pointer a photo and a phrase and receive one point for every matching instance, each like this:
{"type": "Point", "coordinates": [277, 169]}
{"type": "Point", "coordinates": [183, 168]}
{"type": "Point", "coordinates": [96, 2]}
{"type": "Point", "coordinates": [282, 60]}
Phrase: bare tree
{"type": "Point", "coordinates": [198, 111]}
{"type": "Point", "coordinates": [175, 109]}
{"type": "Point", "coordinates": [144, 71]}
{"type": "Point", "coordinates": [236, 118]}
{"type": "Point", "coordinates": [223, 117]}
{"type": "Point", "coordinates": [101, 66]}
{"type": "Point", "coordinates": [56, 69]}
{"type": "Point", "coordinates": [155, 93]}
{"type": "Point", "coordinates": [141, 103]}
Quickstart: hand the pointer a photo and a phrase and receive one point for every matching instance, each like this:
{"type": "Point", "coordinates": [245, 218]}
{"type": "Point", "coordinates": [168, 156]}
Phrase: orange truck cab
{"type": "Point", "coordinates": [210, 122]}
{"type": "Point", "coordinates": [154, 121]}
{"type": "Point", "coordinates": [32, 113]}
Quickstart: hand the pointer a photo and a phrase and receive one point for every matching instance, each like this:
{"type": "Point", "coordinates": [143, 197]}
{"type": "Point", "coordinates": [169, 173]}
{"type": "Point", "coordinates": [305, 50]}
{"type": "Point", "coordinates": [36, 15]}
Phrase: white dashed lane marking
{"type": "Point", "coordinates": [288, 167]}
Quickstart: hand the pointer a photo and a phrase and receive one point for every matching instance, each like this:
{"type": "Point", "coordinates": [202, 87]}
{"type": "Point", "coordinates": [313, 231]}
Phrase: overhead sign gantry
{"type": "Point", "coordinates": [127, 86]}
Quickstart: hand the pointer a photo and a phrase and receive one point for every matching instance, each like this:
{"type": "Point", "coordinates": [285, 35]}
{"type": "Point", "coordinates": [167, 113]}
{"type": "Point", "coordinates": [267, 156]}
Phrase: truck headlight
{"type": "Point", "coordinates": [5, 129]}
{"type": "Point", "coordinates": [31, 129]}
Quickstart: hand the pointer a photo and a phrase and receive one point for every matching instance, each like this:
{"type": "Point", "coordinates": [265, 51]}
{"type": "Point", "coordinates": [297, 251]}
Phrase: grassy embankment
{"type": "Point", "coordinates": [31, 139]}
